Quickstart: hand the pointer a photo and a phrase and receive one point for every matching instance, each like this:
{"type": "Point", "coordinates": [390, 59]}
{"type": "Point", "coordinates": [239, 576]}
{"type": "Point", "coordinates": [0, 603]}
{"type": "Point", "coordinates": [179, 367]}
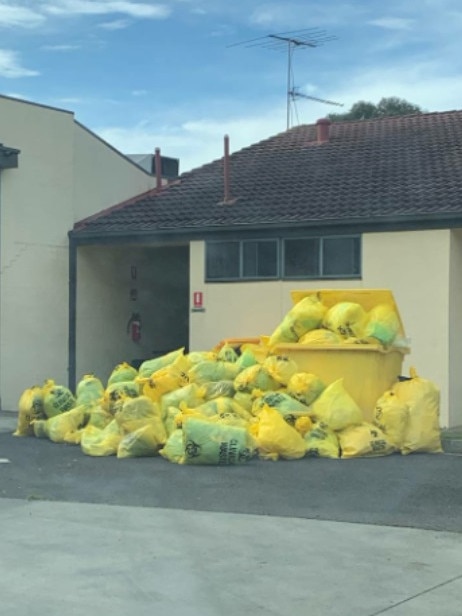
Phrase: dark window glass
{"type": "Point", "coordinates": [341, 256]}
{"type": "Point", "coordinates": [260, 259]}
{"type": "Point", "coordinates": [222, 260]}
{"type": "Point", "coordinates": [301, 258]}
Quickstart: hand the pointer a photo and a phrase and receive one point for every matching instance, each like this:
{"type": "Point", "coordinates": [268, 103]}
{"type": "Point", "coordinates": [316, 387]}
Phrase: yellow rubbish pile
{"type": "Point", "coordinates": [226, 407]}
{"type": "Point", "coordinates": [325, 383]}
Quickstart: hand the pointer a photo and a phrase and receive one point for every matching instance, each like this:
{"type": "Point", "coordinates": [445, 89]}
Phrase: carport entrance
{"type": "Point", "coordinates": [123, 291]}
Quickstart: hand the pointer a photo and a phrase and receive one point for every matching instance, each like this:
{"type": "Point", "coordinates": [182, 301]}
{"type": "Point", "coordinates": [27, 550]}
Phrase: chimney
{"type": "Point", "coordinates": [158, 170]}
{"type": "Point", "coordinates": [322, 129]}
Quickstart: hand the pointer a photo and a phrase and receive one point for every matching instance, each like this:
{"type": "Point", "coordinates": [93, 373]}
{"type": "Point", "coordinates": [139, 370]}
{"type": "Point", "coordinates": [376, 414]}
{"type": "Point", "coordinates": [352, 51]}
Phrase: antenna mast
{"type": "Point", "coordinates": [294, 39]}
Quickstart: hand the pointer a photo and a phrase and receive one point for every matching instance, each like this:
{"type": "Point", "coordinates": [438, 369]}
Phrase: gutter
{"type": "Point", "coordinates": [385, 223]}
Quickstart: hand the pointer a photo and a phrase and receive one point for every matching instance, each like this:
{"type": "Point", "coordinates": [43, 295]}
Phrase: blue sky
{"type": "Point", "coordinates": [145, 74]}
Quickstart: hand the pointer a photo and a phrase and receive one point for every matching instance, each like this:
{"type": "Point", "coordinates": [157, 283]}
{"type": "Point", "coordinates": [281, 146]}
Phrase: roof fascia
{"type": "Point", "coordinates": [360, 225]}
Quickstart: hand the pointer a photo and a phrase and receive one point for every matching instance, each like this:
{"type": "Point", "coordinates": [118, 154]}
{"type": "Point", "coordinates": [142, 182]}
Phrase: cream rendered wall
{"type": "Point", "coordinates": [104, 305]}
{"type": "Point", "coordinates": [102, 176]}
{"type": "Point", "coordinates": [455, 330]}
{"type": "Point", "coordinates": [243, 309]}
{"type": "Point", "coordinates": [414, 265]}
{"type": "Point", "coordinates": [65, 173]}
{"type": "Point", "coordinates": [36, 212]}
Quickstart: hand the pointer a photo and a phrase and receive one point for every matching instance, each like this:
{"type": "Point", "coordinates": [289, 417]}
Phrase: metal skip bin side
{"type": "Point", "coordinates": [367, 370]}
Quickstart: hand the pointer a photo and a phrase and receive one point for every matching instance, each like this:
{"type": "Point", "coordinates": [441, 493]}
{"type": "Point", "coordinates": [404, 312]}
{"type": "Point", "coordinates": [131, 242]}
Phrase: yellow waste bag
{"type": "Point", "coordinates": [197, 357]}
{"type": "Point", "coordinates": [244, 399]}
{"type": "Point", "coordinates": [56, 399]}
{"type": "Point", "coordinates": [305, 315]}
{"type": "Point", "coordinates": [210, 442]}
{"type": "Point", "coordinates": [347, 319]}
{"type": "Point", "coordinates": [305, 387]}
{"type": "Point", "coordinates": [192, 395]}
{"type": "Point", "coordinates": [275, 438]}
{"type": "Point", "coordinates": [223, 405]}
{"type": "Point", "coordinates": [336, 408]}
{"type": "Point", "coordinates": [255, 377]}
{"type": "Point", "coordinates": [117, 392]}
{"type": "Point", "coordinates": [365, 440]}
{"type": "Point", "coordinates": [320, 336]}
{"type": "Point", "coordinates": [122, 373]}
{"type": "Point", "coordinates": [170, 419]}
{"type": "Point", "coordinates": [164, 381]}
{"type": "Point", "coordinates": [392, 417]}
{"type": "Point", "coordinates": [382, 324]}
{"type": "Point", "coordinates": [173, 451]}
{"type": "Point", "coordinates": [136, 412]}
{"type": "Point", "coordinates": [145, 441]}
{"type": "Point", "coordinates": [90, 390]}
{"type": "Point", "coordinates": [321, 442]}
{"type": "Point", "coordinates": [280, 367]}
{"type": "Point", "coordinates": [99, 417]}
{"type": "Point", "coordinates": [150, 366]}
{"type": "Point", "coordinates": [227, 353]}
{"type": "Point", "coordinates": [303, 425]}
{"type": "Point", "coordinates": [60, 428]}
{"type": "Point", "coordinates": [96, 442]}
{"type": "Point", "coordinates": [209, 370]}
{"type": "Point", "coordinates": [30, 408]}
{"type": "Point", "coordinates": [423, 400]}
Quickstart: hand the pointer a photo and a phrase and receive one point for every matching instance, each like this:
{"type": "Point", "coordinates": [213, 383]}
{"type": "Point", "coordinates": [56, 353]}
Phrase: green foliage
{"type": "Point", "coordinates": [386, 107]}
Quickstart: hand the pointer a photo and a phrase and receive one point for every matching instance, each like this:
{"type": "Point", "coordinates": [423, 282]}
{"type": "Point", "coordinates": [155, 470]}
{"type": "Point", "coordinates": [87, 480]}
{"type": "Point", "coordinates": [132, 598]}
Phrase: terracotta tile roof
{"type": "Point", "coordinates": [407, 167]}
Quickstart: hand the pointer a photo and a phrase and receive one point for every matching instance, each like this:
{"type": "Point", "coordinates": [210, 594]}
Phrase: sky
{"type": "Point", "coordinates": [180, 74]}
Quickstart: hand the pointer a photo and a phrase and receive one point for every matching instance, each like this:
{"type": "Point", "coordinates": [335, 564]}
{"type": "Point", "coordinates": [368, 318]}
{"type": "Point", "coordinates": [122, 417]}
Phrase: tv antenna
{"type": "Point", "coordinates": [292, 40]}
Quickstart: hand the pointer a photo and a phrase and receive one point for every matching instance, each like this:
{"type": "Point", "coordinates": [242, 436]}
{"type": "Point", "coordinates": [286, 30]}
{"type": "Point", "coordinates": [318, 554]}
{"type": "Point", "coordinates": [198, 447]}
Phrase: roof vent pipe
{"type": "Point", "coordinates": [227, 196]}
{"type": "Point", "coordinates": [322, 129]}
{"type": "Point", "coordinates": [158, 166]}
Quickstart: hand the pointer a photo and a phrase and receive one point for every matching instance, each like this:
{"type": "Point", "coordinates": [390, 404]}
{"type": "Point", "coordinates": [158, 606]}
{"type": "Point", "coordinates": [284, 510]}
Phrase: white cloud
{"type": "Point", "coordinates": [198, 141]}
{"type": "Point", "coordinates": [392, 23]}
{"type": "Point", "coordinates": [60, 47]}
{"type": "Point", "coordinates": [291, 15]}
{"type": "Point", "coordinates": [12, 16]}
{"type": "Point", "coordinates": [116, 24]}
{"type": "Point", "coordinates": [103, 7]}
{"type": "Point", "coordinates": [139, 92]}
{"type": "Point", "coordinates": [422, 83]}
{"type": "Point", "coordinates": [10, 65]}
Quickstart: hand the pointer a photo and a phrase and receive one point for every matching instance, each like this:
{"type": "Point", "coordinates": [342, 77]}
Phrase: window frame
{"type": "Point", "coordinates": [241, 277]}
{"type": "Point", "coordinates": [280, 243]}
{"type": "Point", "coordinates": [322, 276]}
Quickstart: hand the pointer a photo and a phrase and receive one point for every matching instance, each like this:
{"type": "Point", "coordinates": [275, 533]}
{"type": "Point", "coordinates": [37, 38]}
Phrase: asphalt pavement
{"type": "Point", "coordinates": [85, 535]}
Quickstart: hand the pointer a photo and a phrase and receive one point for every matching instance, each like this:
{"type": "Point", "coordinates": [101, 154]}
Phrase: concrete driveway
{"type": "Point", "coordinates": [87, 536]}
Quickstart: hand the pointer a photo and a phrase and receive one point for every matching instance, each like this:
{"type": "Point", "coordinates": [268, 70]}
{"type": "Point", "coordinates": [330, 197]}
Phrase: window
{"type": "Point", "coordinates": [322, 257]}
{"type": "Point", "coordinates": [298, 258]}
{"type": "Point", "coordinates": [242, 260]}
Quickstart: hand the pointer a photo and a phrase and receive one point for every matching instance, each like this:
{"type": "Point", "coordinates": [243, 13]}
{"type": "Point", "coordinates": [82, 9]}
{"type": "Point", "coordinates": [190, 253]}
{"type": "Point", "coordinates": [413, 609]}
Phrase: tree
{"type": "Point", "coordinates": [386, 107]}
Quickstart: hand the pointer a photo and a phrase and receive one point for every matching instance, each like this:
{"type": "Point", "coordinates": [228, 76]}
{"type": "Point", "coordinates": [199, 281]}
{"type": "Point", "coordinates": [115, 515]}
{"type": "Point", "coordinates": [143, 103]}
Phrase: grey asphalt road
{"type": "Point", "coordinates": [421, 490]}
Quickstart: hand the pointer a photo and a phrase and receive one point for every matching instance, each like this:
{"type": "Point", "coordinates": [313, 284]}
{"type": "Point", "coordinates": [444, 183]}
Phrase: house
{"type": "Point", "coordinates": [362, 204]}
{"type": "Point", "coordinates": [53, 172]}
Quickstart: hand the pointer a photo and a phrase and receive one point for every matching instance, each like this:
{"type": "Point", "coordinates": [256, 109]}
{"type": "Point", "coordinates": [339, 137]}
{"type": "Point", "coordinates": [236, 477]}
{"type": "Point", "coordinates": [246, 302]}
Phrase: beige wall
{"type": "Point", "coordinates": [64, 173]}
{"type": "Point", "coordinates": [414, 265]}
{"type": "Point", "coordinates": [104, 305]}
{"type": "Point", "coordinates": [102, 176]}
{"type": "Point", "coordinates": [455, 330]}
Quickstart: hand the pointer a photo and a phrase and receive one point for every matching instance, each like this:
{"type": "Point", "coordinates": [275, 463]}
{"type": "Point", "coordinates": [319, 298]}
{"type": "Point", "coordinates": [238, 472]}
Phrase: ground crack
{"type": "Point", "coordinates": [424, 592]}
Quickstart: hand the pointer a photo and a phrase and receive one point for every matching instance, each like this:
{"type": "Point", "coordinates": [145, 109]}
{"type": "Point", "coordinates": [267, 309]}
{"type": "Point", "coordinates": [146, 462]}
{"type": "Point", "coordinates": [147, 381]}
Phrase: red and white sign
{"type": "Point", "coordinates": [198, 299]}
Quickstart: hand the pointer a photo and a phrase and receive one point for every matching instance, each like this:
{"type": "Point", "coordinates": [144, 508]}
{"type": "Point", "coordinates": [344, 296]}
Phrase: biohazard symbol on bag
{"type": "Point", "coordinates": [192, 449]}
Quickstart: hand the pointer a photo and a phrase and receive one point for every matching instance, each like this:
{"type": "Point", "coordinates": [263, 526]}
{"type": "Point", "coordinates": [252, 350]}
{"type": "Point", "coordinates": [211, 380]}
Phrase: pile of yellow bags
{"type": "Point", "coordinates": [230, 405]}
{"type": "Point", "coordinates": [310, 321]}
